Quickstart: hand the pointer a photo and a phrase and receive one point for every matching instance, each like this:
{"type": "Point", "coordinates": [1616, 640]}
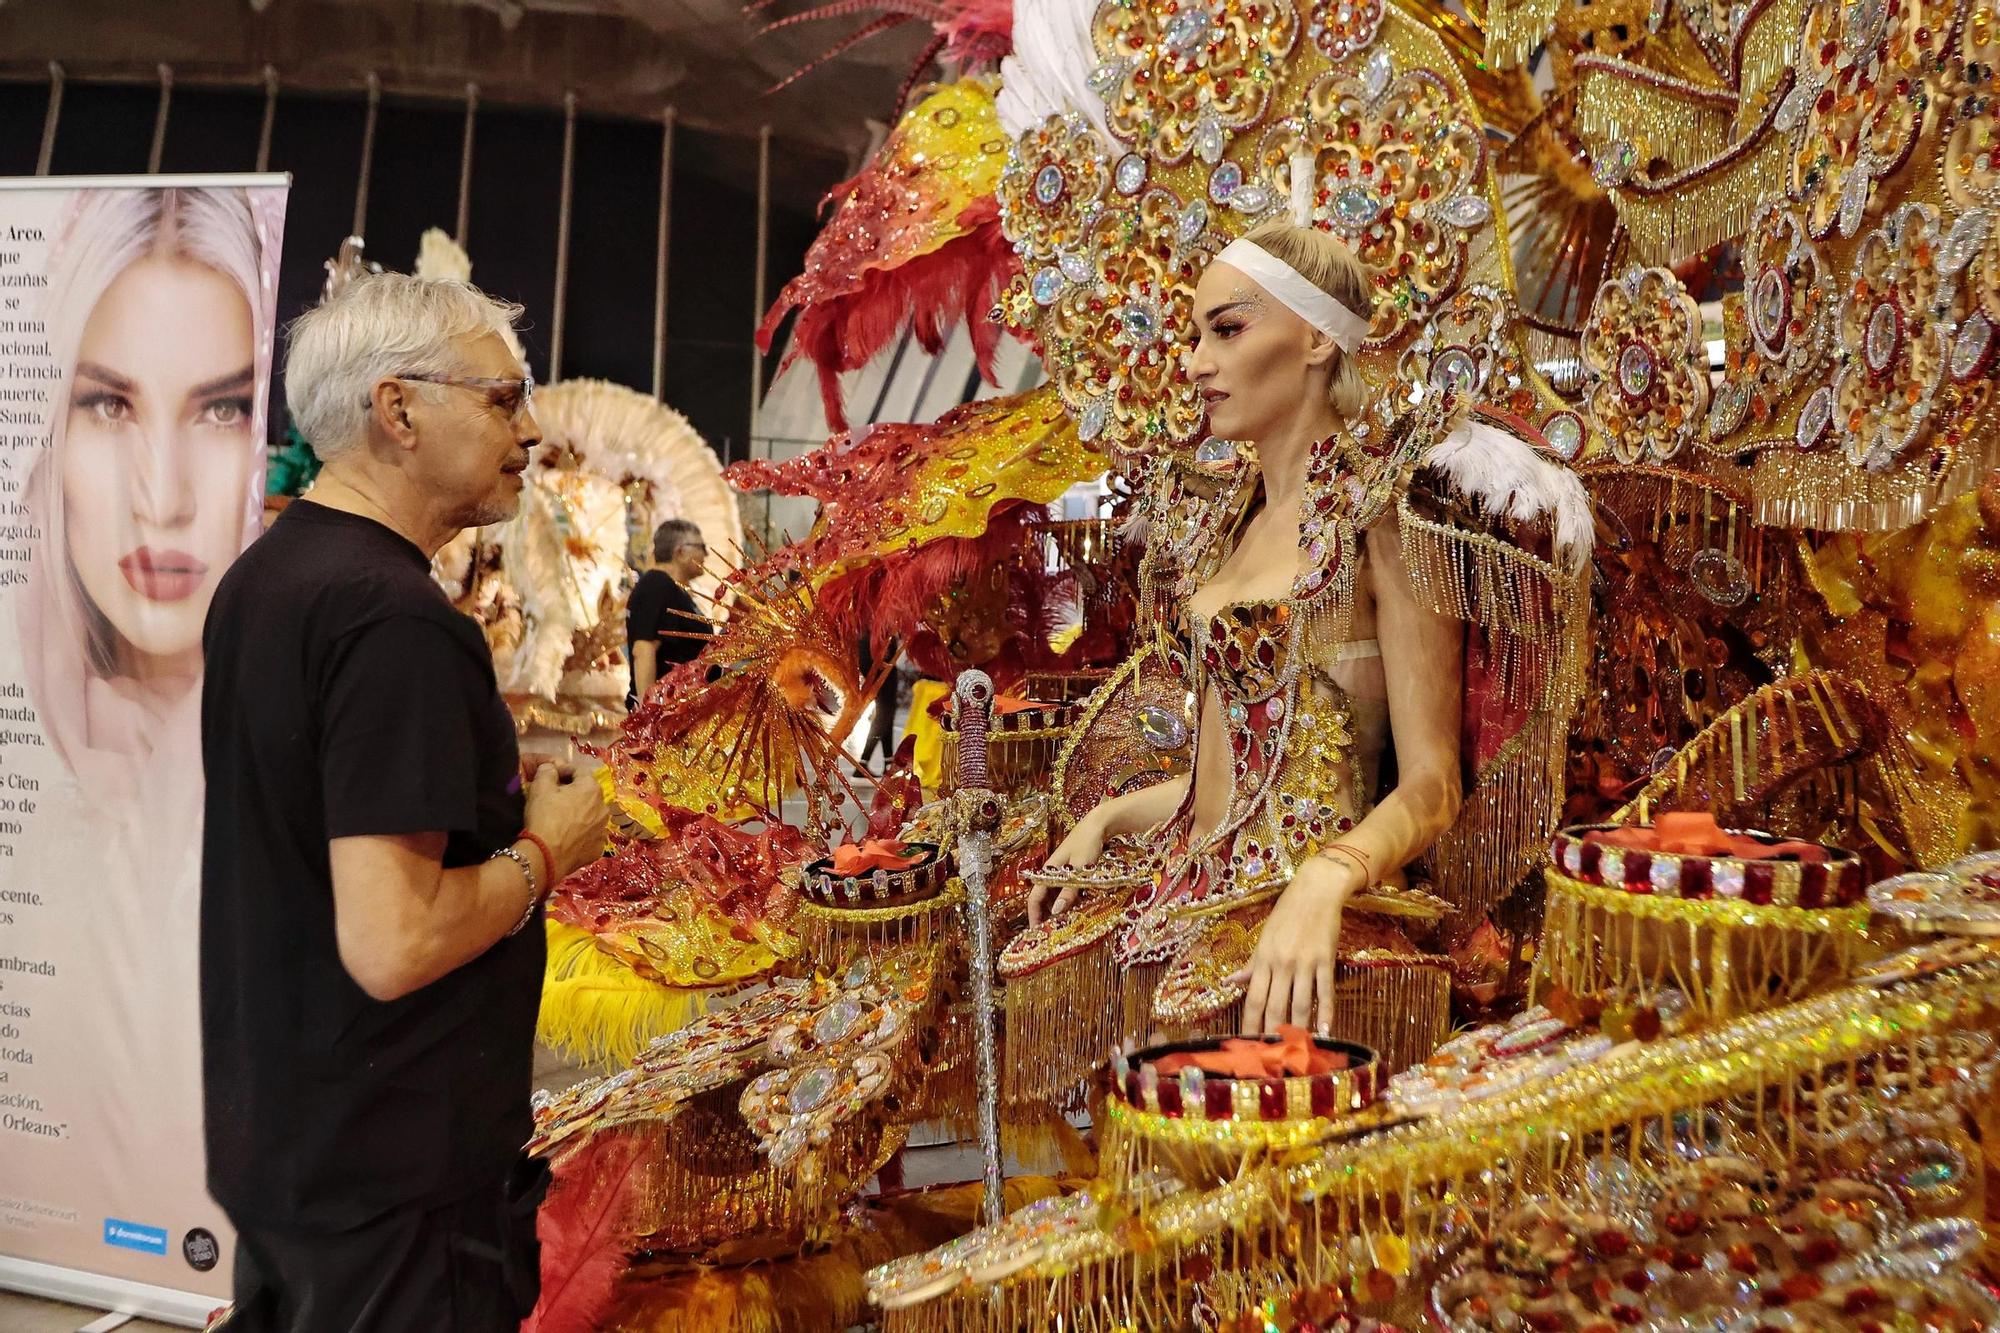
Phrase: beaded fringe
{"type": "Point", "coordinates": [1398, 1008]}
{"type": "Point", "coordinates": [1514, 28]}
{"type": "Point", "coordinates": [1671, 219]}
{"type": "Point", "coordinates": [1824, 491]}
{"type": "Point", "coordinates": [831, 937]}
{"type": "Point", "coordinates": [1616, 100]}
{"type": "Point", "coordinates": [1502, 831]}
{"type": "Point", "coordinates": [1379, 1213]}
{"type": "Point", "coordinates": [1061, 1022]}
{"type": "Point", "coordinates": [1780, 733]}
{"type": "Point", "coordinates": [703, 1183]}
{"type": "Point", "coordinates": [1728, 958]}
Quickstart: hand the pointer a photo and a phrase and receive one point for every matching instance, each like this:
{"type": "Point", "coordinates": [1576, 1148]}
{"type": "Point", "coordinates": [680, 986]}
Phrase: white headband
{"type": "Point", "coordinates": [1297, 293]}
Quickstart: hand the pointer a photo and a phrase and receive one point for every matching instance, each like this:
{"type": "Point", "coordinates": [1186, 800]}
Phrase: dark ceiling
{"type": "Point", "coordinates": [623, 58]}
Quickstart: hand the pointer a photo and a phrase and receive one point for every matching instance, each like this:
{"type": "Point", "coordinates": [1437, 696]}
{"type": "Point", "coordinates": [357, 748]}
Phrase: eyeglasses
{"type": "Point", "coordinates": [498, 391]}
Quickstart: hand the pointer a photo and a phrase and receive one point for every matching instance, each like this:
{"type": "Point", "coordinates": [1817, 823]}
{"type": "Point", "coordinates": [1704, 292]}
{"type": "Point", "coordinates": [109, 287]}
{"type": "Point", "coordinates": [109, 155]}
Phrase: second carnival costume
{"type": "Point", "coordinates": [1495, 533]}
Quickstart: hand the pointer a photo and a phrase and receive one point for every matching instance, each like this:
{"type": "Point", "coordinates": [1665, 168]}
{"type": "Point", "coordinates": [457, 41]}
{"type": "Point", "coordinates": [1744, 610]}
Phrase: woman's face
{"type": "Point", "coordinates": [1252, 358]}
{"type": "Point", "coordinates": [158, 450]}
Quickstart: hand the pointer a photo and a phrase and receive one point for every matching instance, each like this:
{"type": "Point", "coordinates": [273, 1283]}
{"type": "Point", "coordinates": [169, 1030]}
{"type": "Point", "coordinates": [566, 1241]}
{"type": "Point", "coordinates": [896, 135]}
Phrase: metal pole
{"type": "Point", "coordinates": [160, 120]}
{"type": "Point", "coordinates": [465, 166]}
{"type": "Point", "coordinates": [367, 156]}
{"type": "Point", "coordinates": [270, 117]}
{"type": "Point", "coordinates": [562, 237]}
{"type": "Point", "coordinates": [979, 816]}
{"type": "Point", "coordinates": [49, 119]}
{"type": "Point", "coordinates": [757, 300]}
{"type": "Point", "coordinates": [660, 253]}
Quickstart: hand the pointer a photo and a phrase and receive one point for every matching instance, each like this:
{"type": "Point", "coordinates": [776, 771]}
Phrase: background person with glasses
{"type": "Point", "coordinates": [663, 626]}
{"type": "Point", "coordinates": [373, 871]}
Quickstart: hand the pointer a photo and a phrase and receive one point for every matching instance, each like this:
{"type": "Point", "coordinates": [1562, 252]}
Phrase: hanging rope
{"type": "Point", "coordinates": [465, 167]}
{"type": "Point", "coordinates": [49, 119]}
{"type": "Point", "coordinates": [763, 250]}
{"type": "Point", "coordinates": [367, 156]}
{"type": "Point", "coordinates": [660, 254]}
{"type": "Point", "coordinates": [270, 118]}
{"type": "Point", "coordinates": [160, 120]}
{"type": "Point", "coordinates": [562, 236]}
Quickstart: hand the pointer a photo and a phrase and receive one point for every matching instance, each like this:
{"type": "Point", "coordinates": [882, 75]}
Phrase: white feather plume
{"type": "Point", "coordinates": [1049, 72]}
{"type": "Point", "coordinates": [1507, 478]}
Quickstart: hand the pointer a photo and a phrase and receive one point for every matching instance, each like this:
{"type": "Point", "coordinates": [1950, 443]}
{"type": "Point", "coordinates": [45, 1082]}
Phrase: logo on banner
{"type": "Point", "coordinates": [198, 1247]}
{"type": "Point", "coordinates": [133, 1236]}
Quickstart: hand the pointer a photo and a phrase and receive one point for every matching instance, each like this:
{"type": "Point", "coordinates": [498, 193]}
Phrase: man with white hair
{"type": "Point", "coordinates": [373, 871]}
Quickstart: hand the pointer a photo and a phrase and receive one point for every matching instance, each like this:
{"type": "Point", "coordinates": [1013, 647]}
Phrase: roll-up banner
{"type": "Point", "coordinates": [136, 334]}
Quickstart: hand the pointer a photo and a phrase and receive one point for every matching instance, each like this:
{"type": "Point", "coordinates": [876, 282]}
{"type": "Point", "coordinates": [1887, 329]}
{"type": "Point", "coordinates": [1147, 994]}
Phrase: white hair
{"type": "Point", "coordinates": [379, 326]}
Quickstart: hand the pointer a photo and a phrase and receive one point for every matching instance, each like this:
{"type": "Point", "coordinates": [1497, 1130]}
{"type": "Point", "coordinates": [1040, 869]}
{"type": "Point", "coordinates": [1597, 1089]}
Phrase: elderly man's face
{"type": "Point", "coordinates": [474, 443]}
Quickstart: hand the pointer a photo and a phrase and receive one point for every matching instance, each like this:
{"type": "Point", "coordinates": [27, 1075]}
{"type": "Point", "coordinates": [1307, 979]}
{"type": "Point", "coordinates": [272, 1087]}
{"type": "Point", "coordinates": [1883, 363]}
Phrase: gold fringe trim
{"type": "Point", "coordinates": [950, 1095]}
{"type": "Point", "coordinates": [704, 1184]}
{"type": "Point", "coordinates": [1514, 28]}
{"type": "Point", "coordinates": [1400, 1198]}
{"type": "Point", "coordinates": [1824, 491]}
{"type": "Point", "coordinates": [1502, 831]}
{"type": "Point", "coordinates": [1727, 956]}
{"type": "Point", "coordinates": [1061, 1022]}
{"type": "Point", "coordinates": [598, 1011]}
{"type": "Point", "coordinates": [1780, 733]}
{"type": "Point", "coordinates": [1677, 122]}
{"type": "Point", "coordinates": [1767, 45]}
{"type": "Point", "coordinates": [1399, 1010]}
{"type": "Point", "coordinates": [1084, 731]}
{"type": "Point", "coordinates": [832, 937]}
{"type": "Point", "coordinates": [1672, 217]}
{"type": "Point", "coordinates": [1475, 576]}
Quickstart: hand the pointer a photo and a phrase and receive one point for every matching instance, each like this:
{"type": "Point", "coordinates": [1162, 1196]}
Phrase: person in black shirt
{"type": "Point", "coordinates": [373, 870]}
{"type": "Point", "coordinates": [663, 626]}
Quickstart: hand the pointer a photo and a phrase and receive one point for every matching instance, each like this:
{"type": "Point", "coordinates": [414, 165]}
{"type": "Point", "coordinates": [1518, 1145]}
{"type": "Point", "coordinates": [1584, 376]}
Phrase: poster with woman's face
{"type": "Point", "coordinates": [136, 334]}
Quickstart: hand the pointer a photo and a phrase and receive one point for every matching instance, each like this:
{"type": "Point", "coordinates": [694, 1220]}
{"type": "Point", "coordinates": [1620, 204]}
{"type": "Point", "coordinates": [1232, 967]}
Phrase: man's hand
{"type": "Point", "coordinates": [568, 815]}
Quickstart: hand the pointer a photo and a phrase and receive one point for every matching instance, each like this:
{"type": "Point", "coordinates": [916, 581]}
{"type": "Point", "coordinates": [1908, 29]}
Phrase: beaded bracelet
{"type": "Point", "coordinates": [528, 875]}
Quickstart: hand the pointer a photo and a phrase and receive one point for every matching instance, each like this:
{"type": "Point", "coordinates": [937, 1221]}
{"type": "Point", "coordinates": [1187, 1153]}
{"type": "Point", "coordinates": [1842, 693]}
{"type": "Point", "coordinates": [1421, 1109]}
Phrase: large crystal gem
{"type": "Point", "coordinates": [1047, 285]}
{"type": "Point", "coordinates": [1130, 174]}
{"type": "Point", "coordinates": [1161, 729]}
{"type": "Point", "coordinates": [1076, 266]}
{"type": "Point", "coordinates": [1189, 29]}
{"type": "Point", "coordinates": [1467, 211]}
{"type": "Point", "coordinates": [1814, 418]}
{"type": "Point", "coordinates": [1635, 370]}
{"type": "Point", "coordinates": [1357, 207]}
{"type": "Point", "coordinates": [1377, 73]}
{"type": "Point", "coordinates": [1923, 1168]}
{"type": "Point", "coordinates": [1454, 371]}
{"type": "Point", "coordinates": [1140, 322]}
{"type": "Point", "coordinates": [1049, 184]}
{"type": "Point", "coordinates": [1193, 222]}
{"type": "Point", "coordinates": [1224, 181]}
{"type": "Point", "coordinates": [812, 1088]}
{"type": "Point", "coordinates": [1564, 432]}
{"type": "Point", "coordinates": [1970, 349]}
{"type": "Point", "coordinates": [838, 1021]}
{"type": "Point", "coordinates": [1885, 332]}
{"type": "Point", "coordinates": [1771, 308]}
{"type": "Point", "coordinates": [1967, 234]}
{"type": "Point", "coordinates": [1209, 139]}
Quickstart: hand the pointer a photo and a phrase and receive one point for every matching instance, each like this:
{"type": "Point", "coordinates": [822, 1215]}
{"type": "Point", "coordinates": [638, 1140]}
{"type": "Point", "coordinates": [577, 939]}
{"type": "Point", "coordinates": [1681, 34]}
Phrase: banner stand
{"type": "Point", "coordinates": [107, 1293]}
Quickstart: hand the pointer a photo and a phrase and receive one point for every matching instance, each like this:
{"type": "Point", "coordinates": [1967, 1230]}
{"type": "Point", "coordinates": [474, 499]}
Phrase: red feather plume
{"type": "Point", "coordinates": [591, 1210]}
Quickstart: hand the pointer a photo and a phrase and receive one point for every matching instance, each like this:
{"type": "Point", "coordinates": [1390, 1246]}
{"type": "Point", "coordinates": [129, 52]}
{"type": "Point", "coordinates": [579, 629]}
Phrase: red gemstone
{"type": "Point", "coordinates": [1324, 1101]}
{"type": "Point", "coordinates": [1639, 872]}
{"type": "Point", "coordinates": [1812, 884]}
{"type": "Point", "coordinates": [1759, 878]}
{"type": "Point", "coordinates": [1271, 1098]}
{"type": "Point", "coordinates": [1170, 1096]}
{"type": "Point", "coordinates": [1217, 1100]}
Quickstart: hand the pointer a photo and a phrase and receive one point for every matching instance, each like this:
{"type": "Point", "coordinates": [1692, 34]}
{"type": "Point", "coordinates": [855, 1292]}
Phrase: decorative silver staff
{"type": "Point", "coordinates": [979, 816]}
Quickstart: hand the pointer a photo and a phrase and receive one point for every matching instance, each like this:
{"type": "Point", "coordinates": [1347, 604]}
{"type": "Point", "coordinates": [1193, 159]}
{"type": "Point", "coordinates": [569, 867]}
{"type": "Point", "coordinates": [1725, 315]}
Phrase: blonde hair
{"type": "Point", "coordinates": [1321, 259]}
{"type": "Point", "coordinates": [107, 232]}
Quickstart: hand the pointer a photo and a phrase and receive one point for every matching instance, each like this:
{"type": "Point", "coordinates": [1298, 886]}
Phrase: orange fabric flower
{"type": "Point", "coordinates": [1695, 833]}
{"type": "Point", "coordinates": [1249, 1057]}
{"type": "Point", "coordinates": [872, 854]}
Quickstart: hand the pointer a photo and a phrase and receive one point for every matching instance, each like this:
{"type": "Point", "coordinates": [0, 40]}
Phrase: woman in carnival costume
{"type": "Point", "coordinates": [1311, 594]}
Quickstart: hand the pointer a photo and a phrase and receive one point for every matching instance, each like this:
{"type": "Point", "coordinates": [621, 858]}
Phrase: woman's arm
{"type": "Point", "coordinates": [1134, 812]}
{"type": "Point", "coordinates": [1423, 658]}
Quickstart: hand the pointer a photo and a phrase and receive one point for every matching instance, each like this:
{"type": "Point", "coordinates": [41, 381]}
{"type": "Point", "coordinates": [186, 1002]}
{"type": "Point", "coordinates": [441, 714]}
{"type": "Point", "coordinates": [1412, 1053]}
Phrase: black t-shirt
{"type": "Point", "coordinates": [344, 696]}
{"type": "Point", "coordinates": [661, 610]}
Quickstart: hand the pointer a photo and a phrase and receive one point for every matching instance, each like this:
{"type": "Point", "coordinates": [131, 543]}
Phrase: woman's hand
{"type": "Point", "coordinates": [1294, 961]}
{"type": "Point", "coordinates": [1081, 848]}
